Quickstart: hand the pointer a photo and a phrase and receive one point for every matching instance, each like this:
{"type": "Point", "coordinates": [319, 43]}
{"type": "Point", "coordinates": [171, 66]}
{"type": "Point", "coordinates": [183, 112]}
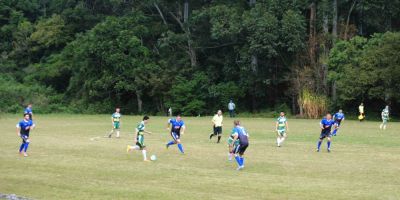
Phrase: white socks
{"type": "Point", "coordinates": [279, 141]}
{"type": "Point", "coordinates": [144, 154]}
{"type": "Point", "coordinates": [117, 133]}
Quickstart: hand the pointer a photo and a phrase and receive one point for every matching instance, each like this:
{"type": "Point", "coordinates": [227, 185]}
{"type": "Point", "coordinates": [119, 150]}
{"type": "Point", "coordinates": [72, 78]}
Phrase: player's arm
{"type": "Point", "coordinates": [18, 130]}
{"type": "Point", "coordinates": [136, 134]}
{"type": "Point", "coordinates": [276, 125]}
{"type": "Point", "coordinates": [287, 126]}
{"type": "Point", "coordinates": [321, 126]}
{"type": "Point", "coordinates": [148, 132]}
{"type": "Point", "coordinates": [31, 127]}
{"type": "Point", "coordinates": [183, 128]}
{"type": "Point", "coordinates": [235, 137]}
{"type": "Point", "coordinates": [169, 124]}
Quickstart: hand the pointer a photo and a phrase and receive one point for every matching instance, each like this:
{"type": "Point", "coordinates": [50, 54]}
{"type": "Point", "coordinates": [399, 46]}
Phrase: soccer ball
{"type": "Point", "coordinates": [153, 157]}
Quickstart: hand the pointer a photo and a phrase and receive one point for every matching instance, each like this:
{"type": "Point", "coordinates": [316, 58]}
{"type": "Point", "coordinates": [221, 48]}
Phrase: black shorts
{"type": "Point", "coordinates": [240, 148]}
{"type": "Point", "coordinates": [324, 134]}
{"type": "Point", "coordinates": [24, 137]}
{"type": "Point", "coordinates": [217, 130]}
{"type": "Point", "coordinates": [176, 135]}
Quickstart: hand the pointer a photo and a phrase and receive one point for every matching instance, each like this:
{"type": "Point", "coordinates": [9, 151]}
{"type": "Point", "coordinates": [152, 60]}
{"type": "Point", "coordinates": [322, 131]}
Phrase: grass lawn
{"type": "Point", "coordinates": [65, 164]}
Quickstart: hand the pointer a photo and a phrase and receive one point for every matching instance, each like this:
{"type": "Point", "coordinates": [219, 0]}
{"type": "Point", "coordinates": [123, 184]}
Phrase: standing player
{"type": "Point", "coordinates": [326, 125]}
{"type": "Point", "coordinates": [28, 110]}
{"type": "Point", "coordinates": [240, 134]}
{"type": "Point", "coordinates": [385, 117]}
{"type": "Point", "coordinates": [116, 122]}
{"type": "Point", "coordinates": [338, 118]}
{"type": "Point", "coordinates": [217, 125]}
{"type": "Point", "coordinates": [281, 127]}
{"type": "Point", "coordinates": [23, 129]}
{"type": "Point", "coordinates": [139, 138]}
{"type": "Point", "coordinates": [232, 144]}
{"type": "Point", "coordinates": [361, 117]}
{"type": "Point", "coordinates": [176, 127]}
{"type": "Point", "coordinates": [231, 108]}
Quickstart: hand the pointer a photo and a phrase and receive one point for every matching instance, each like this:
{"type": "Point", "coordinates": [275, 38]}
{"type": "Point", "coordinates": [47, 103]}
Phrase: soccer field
{"type": "Point", "coordinates": [65, 163]}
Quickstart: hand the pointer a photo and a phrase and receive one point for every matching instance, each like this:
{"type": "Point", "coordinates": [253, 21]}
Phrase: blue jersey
{"type": "Point", "coordinates": [23, 125]}
{"type": "Point", "coordinates": [28, 110]}
{"type": "Point", "coordinates": [176, 126]}
{"type": "Point", "coordinates": [338, 117]}
{"type": "Point", "coordinates": [243, 136]}
{"type": "Point", "coordinates": [327, 124]}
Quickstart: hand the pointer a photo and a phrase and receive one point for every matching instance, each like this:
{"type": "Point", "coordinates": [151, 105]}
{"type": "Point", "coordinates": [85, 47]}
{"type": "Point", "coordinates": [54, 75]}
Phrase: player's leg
{"type": "Point", "coordinates": [321, 138]}
{"type": "Point", "coordinates": [140, 143]}
{"type": "Point", "coordinates": [117, 128]}
{"type": "Point", "coordinates": [180, 146]}
{"type": "Point", "coordinates": [328, 143]}
{"type": "Point", "coordinates": [213, 133]}
{"type": "Point", "coordinates": [236, 152]}
{"type": "Point", "coordinates": [112, 131]}
{"type": "Point", "coordinates": [26, 138]}
{"type": "Point", "coordinates": [336, 127]}
{"type": "Point", "coordinates": [22, 145]}
{"type": "Point", "coordinates": [241, 153]}
{"type": "Point", "coordinates": [283, 136]}
{"type": "Point", "coordinates": [219, 133]}
{"type": "Point", "coordinates": [172, 142]}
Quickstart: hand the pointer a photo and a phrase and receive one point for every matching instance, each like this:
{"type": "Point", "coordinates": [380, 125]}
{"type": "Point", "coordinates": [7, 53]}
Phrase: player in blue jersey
{"type": "Point", "coordinates": [23, 129]}
{"type": "Point", "coordinates": [239, 134]}
{"type": "Point", "coordinates": [28, 110]}
{"type": "Point", "coordinates": [326, 126]}
{"type": "Point", "coordinates": [177, 128]}
{"type": "Point", "coordinates": [337, 118]}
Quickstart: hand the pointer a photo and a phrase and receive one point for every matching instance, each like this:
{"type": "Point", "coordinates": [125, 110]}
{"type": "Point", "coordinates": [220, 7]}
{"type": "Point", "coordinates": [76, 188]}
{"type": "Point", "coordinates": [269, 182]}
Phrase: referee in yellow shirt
{"type": "Point", "coordinates": [217, 125]}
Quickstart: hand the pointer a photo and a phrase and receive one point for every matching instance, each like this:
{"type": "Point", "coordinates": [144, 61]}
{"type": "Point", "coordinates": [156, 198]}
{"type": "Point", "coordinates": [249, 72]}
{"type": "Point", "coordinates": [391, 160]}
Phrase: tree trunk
{"type": "Point", "coordinates": [160, 13]}
{"type": "Point", "coordinates": [186, 11]}
{"type": "Point", "coordinates": [334, 21]}
{"type": "Point", "coordinates": [334, 94]}
{"type": "Point", "coordinates": [361, 16]}
{"type": "Point", "coordinates": [348, 19]}
{"type": "Point", "coordinates": [139, 100]}
{"type": "Point", "coordinates": [312, 39]}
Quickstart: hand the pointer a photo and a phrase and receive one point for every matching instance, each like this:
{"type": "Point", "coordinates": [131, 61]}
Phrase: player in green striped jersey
{"type": "Point", "coordinates": [139, 138]}
{"type": "Point", "coordinates": [281, 128]}
{"type": "Point", "coordinates": [385, 118]}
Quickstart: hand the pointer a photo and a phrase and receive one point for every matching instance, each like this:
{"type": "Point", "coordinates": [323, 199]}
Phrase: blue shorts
{"type": "Point", "coordinates": [175, 135]}
{"type": "Point", "coordinates": [325, 133]}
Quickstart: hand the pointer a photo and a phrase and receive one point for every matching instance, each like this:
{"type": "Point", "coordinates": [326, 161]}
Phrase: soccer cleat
{"type": "Point", "coordinates": [167, 146]}
{"type": "Point", "coordinates": [25, 154]}
{"type": "Point", "coordinates": [146, 160]}
{"type": "Point", "coordinates": [128, 149]}
{"type": "Point", "coordinates": [240, 168]}
{"type": "Point", "coordinates": [109, 136]}
{"type": "Point", "coordinates": [329, 150]}
{"type": "Point", "coordinates": [317, 150]}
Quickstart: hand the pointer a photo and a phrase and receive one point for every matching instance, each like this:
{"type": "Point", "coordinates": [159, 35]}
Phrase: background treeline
{"type": "Point", "coordinates": [301, 56]}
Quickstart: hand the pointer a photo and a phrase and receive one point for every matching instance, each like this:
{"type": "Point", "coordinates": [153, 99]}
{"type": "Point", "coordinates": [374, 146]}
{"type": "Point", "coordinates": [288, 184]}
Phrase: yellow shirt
{"type": "Point", "coordinates": [217, 120]}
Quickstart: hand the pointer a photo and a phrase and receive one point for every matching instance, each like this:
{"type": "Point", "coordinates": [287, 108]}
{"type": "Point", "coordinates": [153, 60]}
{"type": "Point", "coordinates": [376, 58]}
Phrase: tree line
{"type": "Point", "coordinates": [299, 56]}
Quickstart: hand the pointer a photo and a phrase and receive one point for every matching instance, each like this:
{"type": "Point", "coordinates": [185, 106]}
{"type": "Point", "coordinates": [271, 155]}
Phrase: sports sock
{"type": "Point", "coordinates": [278, 140]}
{"type": "Point", "coordinates": [237, 158]}
{"type": "Point", "coordinates": [117, 133]}
{"type": "Point", "coordinates": [384, 127]}
{"type": "Point", "coordinates": [381, 126]}
{"type": "Point", "coordinates": [242, 161]}
{"type": "Point", "coordinates": [21, 147]}
{"type": "Point", "coordinates": [230, 156]}
{"type": "Point", "coordinates": [180, 147]}
{"type": "Point", "coordinates": [319, 144]}
{"type": "Point", "coordinates": [282, 139]}
{"type": "Point", "coordinates": [144, 154]}
{"type": "Point", "coordinates": [329, 144]}
{"type": "Point", "coordinates": [219, 138]}
{"type": "Point", "coordinates": [170, 143]}
{"type": "Point", "coordinates": [334, 132]}
{"type": "Point", "coordinates": [26, 146]}
{"type": "Point", "coordinates": [211, 135]}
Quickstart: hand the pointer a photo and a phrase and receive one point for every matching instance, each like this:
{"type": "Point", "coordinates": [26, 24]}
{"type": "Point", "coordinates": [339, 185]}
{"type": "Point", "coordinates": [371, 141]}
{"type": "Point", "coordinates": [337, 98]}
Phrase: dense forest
{"type": "Point", "coordinates": [300, 56]}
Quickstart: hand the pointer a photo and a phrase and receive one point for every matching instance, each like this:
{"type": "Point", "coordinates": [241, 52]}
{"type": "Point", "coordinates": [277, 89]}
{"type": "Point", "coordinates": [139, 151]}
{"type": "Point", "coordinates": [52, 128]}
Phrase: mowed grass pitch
{"type": "Point", "coordinates": [65, 164]}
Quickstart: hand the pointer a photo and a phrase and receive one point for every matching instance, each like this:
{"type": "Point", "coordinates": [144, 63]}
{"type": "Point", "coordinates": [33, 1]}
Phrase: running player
{"type": "Point", "coordinates": [23, 129]}
{"type": "Point", "coordinates": [217, 125]}
{"type": "Point", "coordinates": [116, 122]}
{"type": "Point", "coordinates": [326, 126]}
{"type": "Point", "coordinates": [28, 110]}
{"type": "Point", "coordinates": [231, 145]}
{"type": "Point", "coordinates": [385, 117]}
{"type": "Point", "coordinates": [281, 127]}
{"type": "Point", "coordinates": [240, 134]}
{"type": "Point", "coordinates": [177, 128]}
{"type": "Point", "coordinates": [337, 118]}
{"type": "Point", "coordinates": [139, 138]}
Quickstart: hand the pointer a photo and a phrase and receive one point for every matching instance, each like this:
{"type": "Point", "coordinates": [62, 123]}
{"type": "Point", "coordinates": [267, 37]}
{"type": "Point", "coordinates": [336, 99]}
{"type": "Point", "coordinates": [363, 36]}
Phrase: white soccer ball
{"type": "Point", "coordinates": [153, 157]}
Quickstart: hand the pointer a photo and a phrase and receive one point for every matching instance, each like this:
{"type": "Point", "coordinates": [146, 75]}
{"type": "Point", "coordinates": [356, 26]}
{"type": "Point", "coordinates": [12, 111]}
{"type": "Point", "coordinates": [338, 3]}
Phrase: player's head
{"type": "Point", "coordinates": [178, 118]}
{"type": "Point", "coordinates": [282, 114]}
{"type": "Point", "coordinates": [236, 122]}
{"type": "Point", "coordinates": [219, 112]}
{"type": "Point", "coordinates": [26, 116]}
{"type": "Point", "coordinates": [340, 110]}
{"type": "Point", "coordinates": [328, 116]}
{"type": "Point", "coordinates": [117, 110]}
{"type": "Point", "coordinates": [146, 119]}
{"type": "Point", "coordinates": [386, 107]}
{"type": "Point", "coordinates": [231, 100]}
{"type": "Point", "coordinates": [362, 104]}
{"type": "Point", "coordinates": [30, 105]}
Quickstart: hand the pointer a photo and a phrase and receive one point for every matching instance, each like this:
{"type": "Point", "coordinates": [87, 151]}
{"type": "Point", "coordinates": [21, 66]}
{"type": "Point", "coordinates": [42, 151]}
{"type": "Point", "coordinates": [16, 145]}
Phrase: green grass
{"type": "Point", "coordinates": [65, 164]}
